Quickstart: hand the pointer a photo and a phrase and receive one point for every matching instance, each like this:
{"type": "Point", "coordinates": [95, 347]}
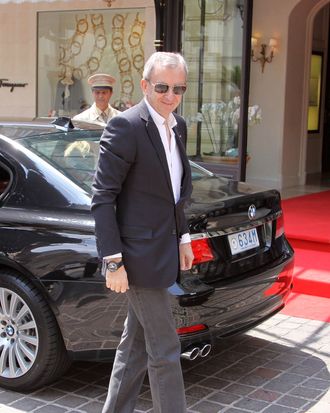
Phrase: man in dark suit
{"type": "Point", "coordinates": [141, 184]}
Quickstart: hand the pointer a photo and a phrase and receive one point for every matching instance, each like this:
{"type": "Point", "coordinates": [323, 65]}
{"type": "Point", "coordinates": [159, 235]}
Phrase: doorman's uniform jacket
{"type": "Point", "coordinates": [133, 201]}
{"type": "Point", "coordinates": [93, 113]}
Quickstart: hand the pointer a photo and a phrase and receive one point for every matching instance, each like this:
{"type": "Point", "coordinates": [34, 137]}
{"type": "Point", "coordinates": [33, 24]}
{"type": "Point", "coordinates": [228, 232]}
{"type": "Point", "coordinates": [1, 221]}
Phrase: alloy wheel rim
{"type": "Point", "coordinates": [19, 339]}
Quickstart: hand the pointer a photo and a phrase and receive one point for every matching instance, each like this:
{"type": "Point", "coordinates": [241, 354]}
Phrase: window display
{"type": "Point", "coordinates": [212, 44]}
{"type": "Point", "coordinates": [73, 45]}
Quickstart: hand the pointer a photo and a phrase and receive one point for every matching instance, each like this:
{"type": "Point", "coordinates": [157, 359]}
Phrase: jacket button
{"type": "Point", "coordinates": [173, 231]}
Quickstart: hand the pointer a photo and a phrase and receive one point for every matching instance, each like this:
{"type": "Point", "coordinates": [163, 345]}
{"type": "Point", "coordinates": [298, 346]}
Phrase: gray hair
{"type": "Point", "coordinates": [165, 59]}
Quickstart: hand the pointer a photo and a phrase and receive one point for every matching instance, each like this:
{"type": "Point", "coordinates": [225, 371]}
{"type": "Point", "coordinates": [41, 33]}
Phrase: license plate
{"type": "Point", "coordinates": [243, 241]}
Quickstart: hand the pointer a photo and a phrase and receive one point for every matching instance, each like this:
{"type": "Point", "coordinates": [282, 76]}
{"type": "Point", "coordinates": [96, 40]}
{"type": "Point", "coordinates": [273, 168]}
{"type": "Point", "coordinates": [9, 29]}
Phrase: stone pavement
{"type": "Point", "coordinates": [282, 366]}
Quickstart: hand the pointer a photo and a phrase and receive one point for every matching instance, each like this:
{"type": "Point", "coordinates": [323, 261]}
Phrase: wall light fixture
{"type": "Point", "coordinates": [262, 57]}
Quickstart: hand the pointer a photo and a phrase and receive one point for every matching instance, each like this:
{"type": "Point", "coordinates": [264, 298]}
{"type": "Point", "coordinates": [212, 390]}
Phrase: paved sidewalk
{"type": "Point", "coordinates": [282, 366]}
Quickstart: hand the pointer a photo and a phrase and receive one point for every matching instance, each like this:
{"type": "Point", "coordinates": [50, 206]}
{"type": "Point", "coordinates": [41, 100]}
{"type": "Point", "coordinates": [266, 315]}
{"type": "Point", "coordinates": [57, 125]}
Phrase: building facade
{"type": "Point", "coordinates": [260, 118]}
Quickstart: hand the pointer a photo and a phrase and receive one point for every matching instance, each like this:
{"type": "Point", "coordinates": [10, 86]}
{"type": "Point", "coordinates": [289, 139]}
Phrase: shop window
{"type": "Point", "coordinates": [212, 42]}
{"type": "Point", "coordinates": [73, 45]}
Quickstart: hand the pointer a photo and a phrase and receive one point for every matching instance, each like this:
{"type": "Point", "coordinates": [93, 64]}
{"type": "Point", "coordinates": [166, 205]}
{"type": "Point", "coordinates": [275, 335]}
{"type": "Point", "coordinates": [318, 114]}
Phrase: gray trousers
{"type": "Point", "coordinates": [149, 342]}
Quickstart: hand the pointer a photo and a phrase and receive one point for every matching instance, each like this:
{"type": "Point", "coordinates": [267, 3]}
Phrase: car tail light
{"type": "Point", "coordinates": [202, 250]}
{"type": "Point", "coordinates": [279, 226]}
{"type": "Point", "coordinates": [191, 329]}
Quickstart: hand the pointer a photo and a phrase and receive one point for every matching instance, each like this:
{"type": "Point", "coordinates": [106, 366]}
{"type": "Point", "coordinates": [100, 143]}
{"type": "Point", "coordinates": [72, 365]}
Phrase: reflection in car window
{"type": "Point", "coordinates": [20, 131]}
{"type": "Point", "coordinates": [198, 172]}
{"type": "Point", "coordinates": [74, 154]}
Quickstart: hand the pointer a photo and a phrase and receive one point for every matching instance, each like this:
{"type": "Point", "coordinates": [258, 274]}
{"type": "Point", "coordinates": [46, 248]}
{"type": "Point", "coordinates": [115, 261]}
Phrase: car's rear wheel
{"type": "Point", "coordinates": [32, 352]}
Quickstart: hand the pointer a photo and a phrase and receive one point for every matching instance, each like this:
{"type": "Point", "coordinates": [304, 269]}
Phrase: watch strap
{"type": "Point", "coordinates": [105, 265]}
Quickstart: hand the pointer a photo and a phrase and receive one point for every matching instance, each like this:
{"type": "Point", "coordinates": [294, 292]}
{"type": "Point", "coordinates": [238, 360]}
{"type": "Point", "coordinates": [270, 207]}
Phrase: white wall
{"type": "Point", "coordinates": [295, 139]}
{"type": "Point", "coordinates": [265, 141]}
{"type": "Point", "coordinates": [18, 47]}
{"type": "Point", "coordinates": [281, 154]}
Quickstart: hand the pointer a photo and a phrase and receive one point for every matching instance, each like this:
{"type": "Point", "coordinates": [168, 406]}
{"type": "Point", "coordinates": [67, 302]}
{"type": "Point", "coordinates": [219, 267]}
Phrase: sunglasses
{"type": "Point", "coordinates": [163, 88]}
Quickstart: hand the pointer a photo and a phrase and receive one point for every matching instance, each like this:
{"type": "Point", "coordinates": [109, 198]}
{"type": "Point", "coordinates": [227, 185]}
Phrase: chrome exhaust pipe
{"type": "Point", "coordinates": [205, 350]}
{"type": "Point", "coordinates": [191, 354]}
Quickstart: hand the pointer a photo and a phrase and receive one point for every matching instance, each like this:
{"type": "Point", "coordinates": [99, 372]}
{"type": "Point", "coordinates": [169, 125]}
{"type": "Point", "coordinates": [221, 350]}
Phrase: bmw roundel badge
{"type": "Point", "coordinates": [252, 212]}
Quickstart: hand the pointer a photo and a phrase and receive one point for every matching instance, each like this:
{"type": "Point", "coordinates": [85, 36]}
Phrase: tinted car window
{"type": "Point", "coordinates": [4, 181]}
{"type": "Point", "coordinates": [74, 154]}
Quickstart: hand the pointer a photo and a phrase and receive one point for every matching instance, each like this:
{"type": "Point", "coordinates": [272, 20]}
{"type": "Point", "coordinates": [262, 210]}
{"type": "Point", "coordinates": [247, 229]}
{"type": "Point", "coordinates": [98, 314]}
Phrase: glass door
{"type": "Point", "coordinates": [212, 43]}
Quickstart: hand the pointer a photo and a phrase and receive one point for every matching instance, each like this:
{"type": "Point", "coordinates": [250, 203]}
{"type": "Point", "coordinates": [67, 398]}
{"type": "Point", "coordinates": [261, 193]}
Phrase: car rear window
{"type": "Point", "coordinates": [74, 153]}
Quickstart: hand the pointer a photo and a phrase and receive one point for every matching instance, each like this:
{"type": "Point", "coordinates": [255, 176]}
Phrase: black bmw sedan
{"type": "Point", "coordinates": [54, 306]}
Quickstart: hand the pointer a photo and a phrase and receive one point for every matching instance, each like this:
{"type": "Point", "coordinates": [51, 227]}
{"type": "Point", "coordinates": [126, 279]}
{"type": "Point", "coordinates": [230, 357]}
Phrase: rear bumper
{"type": "Point", "coordinates": [228, 308]}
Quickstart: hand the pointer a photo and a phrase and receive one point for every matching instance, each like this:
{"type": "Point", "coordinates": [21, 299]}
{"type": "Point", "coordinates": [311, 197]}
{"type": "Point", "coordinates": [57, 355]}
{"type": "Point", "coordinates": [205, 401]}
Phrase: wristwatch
{"type": "Point", "coordinates": [113, 266]}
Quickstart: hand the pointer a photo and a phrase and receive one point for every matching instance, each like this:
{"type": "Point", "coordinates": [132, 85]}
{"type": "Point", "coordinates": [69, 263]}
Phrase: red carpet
{"type": "Point", "coordinates": [307, 225]}
{"type": "Point", "coordinates": [312, 268]}
{"type": "Point", "coordinates": [308, 306]}
{"type": "Point", "coordinates": [308, 217]}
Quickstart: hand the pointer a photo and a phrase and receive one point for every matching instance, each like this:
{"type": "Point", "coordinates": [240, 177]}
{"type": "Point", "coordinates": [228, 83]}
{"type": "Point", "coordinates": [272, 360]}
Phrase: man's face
{"type": "Point", "coordinates": [101, 97]}
{"type": "Point", "coordinates": [164, 103]}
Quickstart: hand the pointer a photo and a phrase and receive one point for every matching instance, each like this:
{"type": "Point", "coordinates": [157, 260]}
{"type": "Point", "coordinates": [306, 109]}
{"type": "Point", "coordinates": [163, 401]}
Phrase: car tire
{"type": "Point", "coordinates": [32, 352]}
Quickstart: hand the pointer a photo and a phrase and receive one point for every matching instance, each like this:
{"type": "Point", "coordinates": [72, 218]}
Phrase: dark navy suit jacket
{"type": "Point", "coordinates": [133, 204]}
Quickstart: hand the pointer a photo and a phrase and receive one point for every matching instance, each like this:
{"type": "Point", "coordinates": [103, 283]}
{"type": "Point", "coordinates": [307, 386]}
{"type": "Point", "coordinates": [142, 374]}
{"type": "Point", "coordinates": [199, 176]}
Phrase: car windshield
{"type": "Point", "coordinates": [75, 154]}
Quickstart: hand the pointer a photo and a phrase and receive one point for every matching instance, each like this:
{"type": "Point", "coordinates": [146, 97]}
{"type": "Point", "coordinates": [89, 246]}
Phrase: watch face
{"type": "Point", "coordinates": [112, 266]}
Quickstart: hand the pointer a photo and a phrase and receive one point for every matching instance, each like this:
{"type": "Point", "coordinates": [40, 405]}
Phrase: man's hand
{"type": "Point", "coordinates": [117, 281]}
{"type": "Point", "coordinates": [186, 256]}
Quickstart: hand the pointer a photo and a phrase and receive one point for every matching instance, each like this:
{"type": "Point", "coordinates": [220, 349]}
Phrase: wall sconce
{"type": "Point", "coordinates": [263, 58]}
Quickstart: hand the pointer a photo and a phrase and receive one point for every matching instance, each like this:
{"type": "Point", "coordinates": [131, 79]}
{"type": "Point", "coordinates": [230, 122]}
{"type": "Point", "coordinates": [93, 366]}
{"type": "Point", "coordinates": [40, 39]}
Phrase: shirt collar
{"type": "Point", "coordinates": [99, 111]}
{"type": "Point", "coordinates": [96, 112]}
{"type": "Point", "coordinates": [158, 119]}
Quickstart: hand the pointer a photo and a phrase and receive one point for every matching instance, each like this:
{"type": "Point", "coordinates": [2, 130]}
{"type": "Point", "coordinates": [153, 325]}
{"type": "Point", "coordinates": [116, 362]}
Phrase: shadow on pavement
{"type": "Point", "coordinates": [241, 374]}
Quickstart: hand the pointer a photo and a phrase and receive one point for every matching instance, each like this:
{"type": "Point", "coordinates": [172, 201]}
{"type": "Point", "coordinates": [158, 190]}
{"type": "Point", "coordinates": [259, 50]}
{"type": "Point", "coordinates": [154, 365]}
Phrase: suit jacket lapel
{"type": "Point", "coordinates": [156, 141]}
